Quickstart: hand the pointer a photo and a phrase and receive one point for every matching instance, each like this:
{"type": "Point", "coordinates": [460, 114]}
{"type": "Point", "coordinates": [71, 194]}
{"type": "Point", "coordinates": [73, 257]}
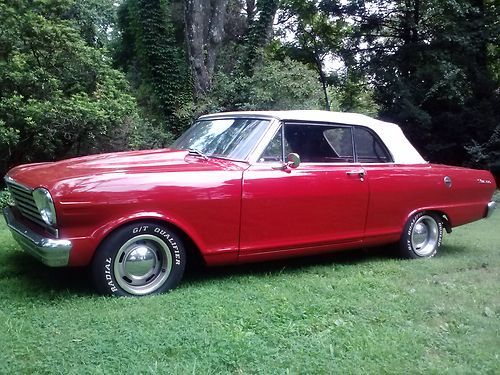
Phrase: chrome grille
{"type": "Point", "coordinates": [23, 198]}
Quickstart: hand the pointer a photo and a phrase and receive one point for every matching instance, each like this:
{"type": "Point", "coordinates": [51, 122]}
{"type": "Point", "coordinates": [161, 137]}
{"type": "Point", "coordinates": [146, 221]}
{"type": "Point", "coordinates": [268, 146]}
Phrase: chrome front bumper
{"type": "Point", "coordinates": [490, 208]}
{"type": "Point", "coordinates": [52, 252]}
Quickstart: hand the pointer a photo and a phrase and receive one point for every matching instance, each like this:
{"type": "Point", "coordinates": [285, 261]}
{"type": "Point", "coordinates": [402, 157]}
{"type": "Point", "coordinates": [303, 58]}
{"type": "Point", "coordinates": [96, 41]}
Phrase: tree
{"type": "Point", "coordinates": [204, 34]}
{"type": "Point", "coordinates": [59, 95]}
{"type": "Point", "coordinates": [152, 54]}
{"type": "Point", "coordinates": [318, 32]}
{"type": "Point", "coordinates": [274, 85]}
{"type": "Point", "coordinates": [429, 65]}
{"type": "Point", "coordinates": [260, 28]}
{"type": "Point", "coordinates": [95, 19]}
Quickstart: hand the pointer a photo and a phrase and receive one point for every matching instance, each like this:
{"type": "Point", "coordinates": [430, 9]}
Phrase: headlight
{"type": "Point", "coordinates": [45, 205]}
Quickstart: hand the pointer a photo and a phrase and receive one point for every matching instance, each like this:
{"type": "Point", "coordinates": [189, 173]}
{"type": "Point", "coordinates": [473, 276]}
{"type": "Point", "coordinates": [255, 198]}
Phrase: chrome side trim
{"type": "Point", "coordinates": [490, 208]}
{"type": "Point", "coordinates": [53, 253]}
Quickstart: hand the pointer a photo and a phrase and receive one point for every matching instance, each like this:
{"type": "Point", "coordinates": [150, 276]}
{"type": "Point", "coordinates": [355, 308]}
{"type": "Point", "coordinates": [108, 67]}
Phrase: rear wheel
{"type": "Point", "coordinates": [422, 236]}
{"type": "Point", "coordinates": [139, 259]}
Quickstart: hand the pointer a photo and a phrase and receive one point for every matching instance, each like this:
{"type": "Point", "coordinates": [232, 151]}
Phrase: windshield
{"type": "Point", "coordinates": [228, 138]}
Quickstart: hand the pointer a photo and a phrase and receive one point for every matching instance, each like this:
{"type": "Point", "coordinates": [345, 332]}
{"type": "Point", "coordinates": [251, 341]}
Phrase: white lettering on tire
{"type": "Point", "coordinates": [173, 244]}
{"type": "Point", "coordinates": [140, 229]}
{"type": "Point", "coordinates": [107, 275]}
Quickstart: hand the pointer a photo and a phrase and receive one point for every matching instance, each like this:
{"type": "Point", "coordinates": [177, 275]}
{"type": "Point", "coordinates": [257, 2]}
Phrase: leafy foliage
{"type": "Point", "coordinates": [430, 68]}
{"type": "Point", "coordinates": [151, 53]}
{"type": "Point", "coordinates": [487, 153]}
{"type": "Point", "coordinates": [59, 95]}
{"type": "Point", "coordinates": [95, 19]}
{"type": "Point", "coordinates": [318, 35]}
{"type": "Point", "coordinates": [5, 198]}
{"type": "Point", "coordinates": [352, 95]}
{"type": "Point", "coordinates": [275, 85]}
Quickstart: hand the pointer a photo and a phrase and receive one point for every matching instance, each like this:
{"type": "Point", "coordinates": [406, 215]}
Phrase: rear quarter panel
{"type": "Point", "coordinates": [399, 191]}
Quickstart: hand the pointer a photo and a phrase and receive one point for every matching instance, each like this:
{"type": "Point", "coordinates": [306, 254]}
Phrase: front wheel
{"type": "Point", "coordinates": [422, 236]}
{"type": "Point", "coordinates": [139, 259]}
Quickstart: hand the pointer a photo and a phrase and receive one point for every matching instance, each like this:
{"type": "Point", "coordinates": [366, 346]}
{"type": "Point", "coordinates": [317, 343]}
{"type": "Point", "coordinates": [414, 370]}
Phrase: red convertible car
{"type": "Point", "coordinates": [241, 187]}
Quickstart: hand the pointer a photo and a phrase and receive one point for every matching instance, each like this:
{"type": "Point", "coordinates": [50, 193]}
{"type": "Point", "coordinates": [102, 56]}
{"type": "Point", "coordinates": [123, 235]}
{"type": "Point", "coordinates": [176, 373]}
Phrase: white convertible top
{"type": "Point", "coordinates": [391, 134]}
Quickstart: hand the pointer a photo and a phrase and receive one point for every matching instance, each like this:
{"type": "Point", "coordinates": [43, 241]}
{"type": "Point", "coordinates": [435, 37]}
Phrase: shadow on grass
{"type": "Point", "coordinates": [39, 280]}
{"type": "Point", "coordinates": [199, 274]}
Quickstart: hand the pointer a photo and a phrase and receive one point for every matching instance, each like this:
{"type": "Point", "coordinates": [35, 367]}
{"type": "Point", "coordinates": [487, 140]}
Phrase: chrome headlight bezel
{"type": "Point", "coordinates": [45, 205]}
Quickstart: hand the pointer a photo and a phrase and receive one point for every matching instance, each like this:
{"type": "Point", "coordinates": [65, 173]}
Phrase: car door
{"type": "Point", "coordinates": [393, 188]}
{"type": "Point", "coordinates": [318, 206]}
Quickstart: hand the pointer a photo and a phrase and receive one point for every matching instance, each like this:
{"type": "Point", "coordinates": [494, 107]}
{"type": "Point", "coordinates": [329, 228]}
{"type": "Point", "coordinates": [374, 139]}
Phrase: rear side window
{"type": "Point", "coordinates": [340, 140]}
{"type": "Point", "coordinates": [369, 148]}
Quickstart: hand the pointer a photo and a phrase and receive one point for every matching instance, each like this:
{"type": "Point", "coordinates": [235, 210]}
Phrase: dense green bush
{"type": "Point", "coordinates": [151, 51]}
{"type": "Point", "coordinates": [275, 85]}
{"type": "Point", "coordinates": [5, 198]}
{"type": "Point", "coordinates": [59, 95]}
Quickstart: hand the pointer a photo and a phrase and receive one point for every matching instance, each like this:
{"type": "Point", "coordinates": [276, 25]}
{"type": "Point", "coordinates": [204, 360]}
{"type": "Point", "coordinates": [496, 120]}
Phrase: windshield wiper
{"type": "Point", "coordinates": [195, 152]}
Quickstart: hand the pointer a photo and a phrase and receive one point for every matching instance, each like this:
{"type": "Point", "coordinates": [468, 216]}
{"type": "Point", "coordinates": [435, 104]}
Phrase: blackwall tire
{"type": "Point", "coordinates": [422, 236]}
{"type": "Point", "coordinates": [139, 259]}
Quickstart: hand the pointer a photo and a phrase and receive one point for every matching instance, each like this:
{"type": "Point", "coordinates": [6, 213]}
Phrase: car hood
{"type": "Point", "coordinates": [104, 166]}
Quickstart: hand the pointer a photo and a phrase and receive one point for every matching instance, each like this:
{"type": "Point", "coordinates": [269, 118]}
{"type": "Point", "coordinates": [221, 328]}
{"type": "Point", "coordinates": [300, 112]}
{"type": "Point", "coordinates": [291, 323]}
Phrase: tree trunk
{"type": "Point", "coordinates": [215, 35]}
{"type": "Point", "coordinates": [322, 78]}
{"type": "Point", "coordinates": [250, 10]}
{"type": "Point", "coordinates": [204, 21]}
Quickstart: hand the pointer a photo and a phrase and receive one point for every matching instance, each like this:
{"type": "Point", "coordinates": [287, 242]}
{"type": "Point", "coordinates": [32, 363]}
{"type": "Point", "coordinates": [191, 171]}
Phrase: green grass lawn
{"type": "Point", "coordinates": [353, 312]}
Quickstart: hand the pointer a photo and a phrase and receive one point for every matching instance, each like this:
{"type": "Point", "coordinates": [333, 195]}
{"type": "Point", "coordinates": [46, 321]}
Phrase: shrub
{"type": "Point", "coordinates": [5, 198]}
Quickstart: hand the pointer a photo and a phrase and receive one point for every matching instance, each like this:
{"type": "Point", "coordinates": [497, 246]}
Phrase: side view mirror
{"type": "Point", "coordinates": [292, 160]}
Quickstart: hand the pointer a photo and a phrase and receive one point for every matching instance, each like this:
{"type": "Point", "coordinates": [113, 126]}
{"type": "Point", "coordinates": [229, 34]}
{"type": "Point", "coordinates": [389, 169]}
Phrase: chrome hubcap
{"type": "Point", "coordinates": [142, 264]}
{"type": "Point", "coordinates": [424, 236]}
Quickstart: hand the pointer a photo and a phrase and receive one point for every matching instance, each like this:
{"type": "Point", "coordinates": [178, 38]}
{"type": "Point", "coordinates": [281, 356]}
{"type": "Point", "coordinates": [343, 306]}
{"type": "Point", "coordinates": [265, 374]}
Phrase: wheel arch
{"type": "Point", "coordinates": [441, 213]}
{"type": "Point", "coordinates": [192, 247]}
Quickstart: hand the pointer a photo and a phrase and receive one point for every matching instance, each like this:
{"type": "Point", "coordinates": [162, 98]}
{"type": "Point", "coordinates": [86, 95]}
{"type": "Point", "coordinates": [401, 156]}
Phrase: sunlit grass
{"type": "Point", "coordinates": [352, 312]}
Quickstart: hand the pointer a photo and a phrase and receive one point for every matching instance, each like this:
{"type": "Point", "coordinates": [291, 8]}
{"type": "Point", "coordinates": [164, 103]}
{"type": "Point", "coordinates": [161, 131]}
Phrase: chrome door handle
{"type": "Point", "coordinates": [359, 172]}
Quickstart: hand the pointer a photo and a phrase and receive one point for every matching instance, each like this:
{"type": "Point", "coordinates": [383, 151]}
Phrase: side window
{"type": "Point", "coordinates": [319, 143]}
{"type": "Point", "coordinates": [368, 148]}
{"type": "Point", "coordinates": [274, 150]}
{"type": "Point", "coordinates": [340, 139]}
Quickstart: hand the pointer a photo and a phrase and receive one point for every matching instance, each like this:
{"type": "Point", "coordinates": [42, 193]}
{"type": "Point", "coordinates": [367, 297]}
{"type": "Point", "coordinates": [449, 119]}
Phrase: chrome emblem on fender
{"type": "Point", "coordinates": [447, 181]}
{"type": "Point", "coordinates": [481, 181]}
